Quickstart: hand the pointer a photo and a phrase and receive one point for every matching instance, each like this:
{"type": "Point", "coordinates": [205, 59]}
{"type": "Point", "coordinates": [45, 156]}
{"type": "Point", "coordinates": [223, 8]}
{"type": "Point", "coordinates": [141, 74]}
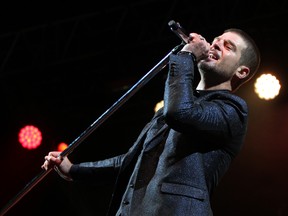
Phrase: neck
{"type": "Point", "coordinates": [202, 85]}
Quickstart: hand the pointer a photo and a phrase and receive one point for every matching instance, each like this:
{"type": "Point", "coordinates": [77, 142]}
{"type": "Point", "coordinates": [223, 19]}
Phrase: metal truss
{"type": "Point", "coordinates": [137, 24]}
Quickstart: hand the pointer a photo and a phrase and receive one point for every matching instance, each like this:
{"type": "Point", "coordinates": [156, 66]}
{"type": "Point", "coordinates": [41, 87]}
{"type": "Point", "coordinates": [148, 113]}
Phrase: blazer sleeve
{"type": "Point", "coordinates": [220, 112]}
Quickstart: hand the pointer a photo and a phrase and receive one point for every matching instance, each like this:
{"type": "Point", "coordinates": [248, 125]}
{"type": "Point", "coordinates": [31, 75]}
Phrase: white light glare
{"type": "Point", "coordinates": [267, 86]}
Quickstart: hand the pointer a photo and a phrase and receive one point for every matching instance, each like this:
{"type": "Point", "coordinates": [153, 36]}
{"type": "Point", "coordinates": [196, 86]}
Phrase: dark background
{"type": "Point", "coordinates": [64, 63]}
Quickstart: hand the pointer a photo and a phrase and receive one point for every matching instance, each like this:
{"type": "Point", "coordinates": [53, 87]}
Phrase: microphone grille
{"type": "Point", "coordinates": [173, 25]}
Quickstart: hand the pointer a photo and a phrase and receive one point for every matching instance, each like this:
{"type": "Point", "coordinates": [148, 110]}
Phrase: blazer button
{"type": "Point", "coordinates": [131, 185]}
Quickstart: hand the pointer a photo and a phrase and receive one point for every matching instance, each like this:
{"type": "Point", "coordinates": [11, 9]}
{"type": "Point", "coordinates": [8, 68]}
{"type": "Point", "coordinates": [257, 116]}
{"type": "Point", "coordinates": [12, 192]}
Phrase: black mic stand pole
{"type": "Point", "coordinates": [155, 70]}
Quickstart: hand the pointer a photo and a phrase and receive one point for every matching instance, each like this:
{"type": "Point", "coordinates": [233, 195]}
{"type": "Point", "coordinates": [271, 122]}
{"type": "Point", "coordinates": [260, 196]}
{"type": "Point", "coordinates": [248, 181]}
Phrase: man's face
{"type": "Point", "coordinates": [224, 56]}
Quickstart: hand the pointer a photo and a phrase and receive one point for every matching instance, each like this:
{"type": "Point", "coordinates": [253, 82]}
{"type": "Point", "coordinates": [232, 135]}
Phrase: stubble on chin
{"type": "Point", "coordinates": [206, 67]}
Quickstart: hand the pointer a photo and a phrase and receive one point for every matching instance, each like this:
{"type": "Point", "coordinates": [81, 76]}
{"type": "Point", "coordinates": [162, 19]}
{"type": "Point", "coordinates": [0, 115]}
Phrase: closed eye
{"type": "Point", "coordinates": [230, 45]}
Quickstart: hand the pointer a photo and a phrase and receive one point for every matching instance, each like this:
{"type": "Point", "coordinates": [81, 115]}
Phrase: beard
{"type": "Point", "coordinates": [205, 67]}
{"type": "Point", "coordinates": [213, 73]}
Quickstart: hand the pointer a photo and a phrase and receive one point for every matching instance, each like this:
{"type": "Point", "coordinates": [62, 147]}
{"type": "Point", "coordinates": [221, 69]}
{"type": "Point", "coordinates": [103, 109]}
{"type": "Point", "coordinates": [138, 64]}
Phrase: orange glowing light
{"type": "Point", "coordinates": [30, 137]}
{"type": "Point", "coordinates": [62, 146]}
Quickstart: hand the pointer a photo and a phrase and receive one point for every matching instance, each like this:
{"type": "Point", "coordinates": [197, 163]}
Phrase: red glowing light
{"type": "Point", "coordinates": [62, 146]}
{"type": "Point", "coordinates": [30, 137]}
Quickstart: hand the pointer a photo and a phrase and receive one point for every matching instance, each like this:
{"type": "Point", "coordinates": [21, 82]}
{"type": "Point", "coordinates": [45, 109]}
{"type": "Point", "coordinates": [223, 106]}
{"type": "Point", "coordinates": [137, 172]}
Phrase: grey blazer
{"type": "Point", "coordinates": [180, 155]}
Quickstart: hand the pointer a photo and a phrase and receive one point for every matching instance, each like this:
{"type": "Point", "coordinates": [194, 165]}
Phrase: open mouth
{"type": "Point", "coordinates": [213, 56]}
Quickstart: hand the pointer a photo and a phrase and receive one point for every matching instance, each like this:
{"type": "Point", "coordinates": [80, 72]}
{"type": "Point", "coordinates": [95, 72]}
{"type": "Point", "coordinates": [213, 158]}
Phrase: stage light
{"type": "Point", "coordinates": [62, 146]}
{"type": "Point", "coordinates": [30, 137]}
{"type": "Point", "coordinates": [267, 86]}
{"type": "Point", "coordinates": [158, 106]}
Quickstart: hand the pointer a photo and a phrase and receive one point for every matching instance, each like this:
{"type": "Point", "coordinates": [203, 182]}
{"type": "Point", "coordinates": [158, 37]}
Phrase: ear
{"type": "Point", "coordinates": [242, 72]}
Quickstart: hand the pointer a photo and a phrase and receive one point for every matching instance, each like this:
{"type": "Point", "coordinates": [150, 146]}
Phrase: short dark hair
{"type": "Point", "coordinates": [250, 56]}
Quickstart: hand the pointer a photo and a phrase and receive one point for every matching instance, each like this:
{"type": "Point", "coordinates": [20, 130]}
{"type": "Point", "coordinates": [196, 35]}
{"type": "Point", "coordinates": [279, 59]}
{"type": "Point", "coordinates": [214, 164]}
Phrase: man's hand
{"type": "Point", "coordinates": [61, 165]}
{"type": "Point", "coordinates": [198, 46]}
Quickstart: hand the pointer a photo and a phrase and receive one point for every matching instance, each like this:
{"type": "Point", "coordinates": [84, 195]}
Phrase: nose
{"type": "Point", "coordinates": [215, 45]}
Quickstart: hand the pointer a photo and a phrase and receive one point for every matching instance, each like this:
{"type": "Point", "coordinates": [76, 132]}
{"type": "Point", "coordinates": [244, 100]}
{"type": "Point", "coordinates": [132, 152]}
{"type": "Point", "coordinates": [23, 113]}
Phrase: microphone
{"type": "Point", "coordinates": [179, 31]}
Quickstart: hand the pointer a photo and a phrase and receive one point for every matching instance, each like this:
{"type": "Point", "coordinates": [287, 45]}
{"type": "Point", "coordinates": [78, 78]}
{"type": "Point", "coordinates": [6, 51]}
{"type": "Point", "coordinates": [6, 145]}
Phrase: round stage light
{"type": "Point", "coordinates": [267, 86]}
{"type": "Point", "coordinates": [30, 137]}
{"type": "Point", "coordinates": [62, 146]}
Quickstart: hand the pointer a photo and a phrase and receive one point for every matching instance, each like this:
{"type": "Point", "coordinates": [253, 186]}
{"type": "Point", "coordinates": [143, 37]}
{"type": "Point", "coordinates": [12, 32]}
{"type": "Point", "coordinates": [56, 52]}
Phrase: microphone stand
{"type": "Point", "coordinates": [136, 87]}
